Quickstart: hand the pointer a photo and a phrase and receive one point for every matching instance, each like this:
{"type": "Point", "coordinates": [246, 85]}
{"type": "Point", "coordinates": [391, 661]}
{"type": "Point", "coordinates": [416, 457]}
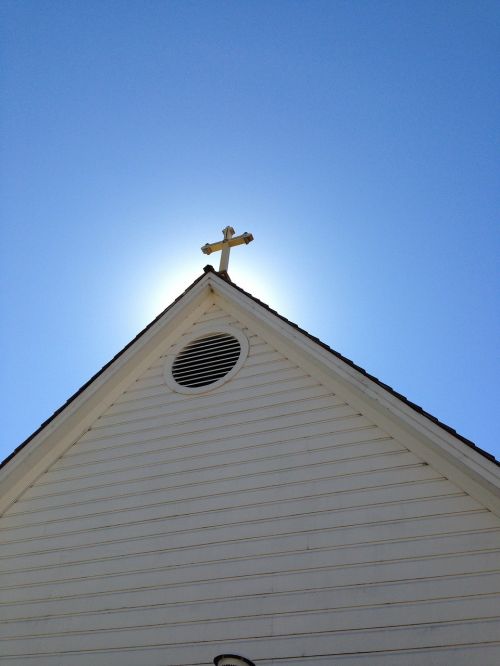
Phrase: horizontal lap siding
{"type": "Point", "coordinates": [267, 518]}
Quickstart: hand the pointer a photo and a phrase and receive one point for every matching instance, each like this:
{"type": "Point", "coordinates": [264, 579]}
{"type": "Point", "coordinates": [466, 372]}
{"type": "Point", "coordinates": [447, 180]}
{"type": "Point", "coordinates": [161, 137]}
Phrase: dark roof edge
{"type": "Point", "coordinates": [207, 269]}
{"type": "Point", "coordinates": [377, 381]}
{"type": "Point", "coordinates": [224, 276]}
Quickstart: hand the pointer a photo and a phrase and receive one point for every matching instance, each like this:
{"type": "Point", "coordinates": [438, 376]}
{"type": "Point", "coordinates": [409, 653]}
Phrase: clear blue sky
{"type": "Point", "coordinates": [357, 140]}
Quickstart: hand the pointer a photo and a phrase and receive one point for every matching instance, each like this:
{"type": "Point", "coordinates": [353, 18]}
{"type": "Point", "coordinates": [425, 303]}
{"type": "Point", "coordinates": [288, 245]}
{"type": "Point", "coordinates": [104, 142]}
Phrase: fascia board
{"type": "Point", "coordinates": [448, 454]}
{"type": "Point", "coordinates": [65, 428]}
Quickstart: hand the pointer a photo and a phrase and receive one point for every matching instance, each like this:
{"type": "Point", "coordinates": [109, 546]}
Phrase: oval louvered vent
{"type": "Point", "coordinates": [206, 360]}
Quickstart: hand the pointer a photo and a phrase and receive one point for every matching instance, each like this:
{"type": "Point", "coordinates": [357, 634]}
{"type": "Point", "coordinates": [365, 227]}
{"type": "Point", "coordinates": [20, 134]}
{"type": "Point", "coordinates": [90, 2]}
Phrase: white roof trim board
{"type": "Point", "coordinates": [471, 468]}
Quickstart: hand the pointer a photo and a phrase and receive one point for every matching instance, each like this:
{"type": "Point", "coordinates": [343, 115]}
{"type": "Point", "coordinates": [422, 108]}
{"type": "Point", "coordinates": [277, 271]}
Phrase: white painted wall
{"type": "Point", "coordinates": [266, 518]}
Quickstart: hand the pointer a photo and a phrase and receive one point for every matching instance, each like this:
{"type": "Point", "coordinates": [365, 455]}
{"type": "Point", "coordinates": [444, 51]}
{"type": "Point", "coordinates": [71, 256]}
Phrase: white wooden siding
{"type": "Point", "coordinates": [266, 518]}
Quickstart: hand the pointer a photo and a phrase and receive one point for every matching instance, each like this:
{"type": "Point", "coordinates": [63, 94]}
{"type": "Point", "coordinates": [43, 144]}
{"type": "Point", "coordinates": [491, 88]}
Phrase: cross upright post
{"type": "Point", "coordinates": [224, 255]}
{"type": "Point", "coordinates": [225, 246]}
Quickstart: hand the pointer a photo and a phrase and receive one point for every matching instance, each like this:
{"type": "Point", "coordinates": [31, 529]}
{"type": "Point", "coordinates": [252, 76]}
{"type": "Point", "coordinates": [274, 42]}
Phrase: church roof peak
{"type": "Point", "coordinates": [218, 281]}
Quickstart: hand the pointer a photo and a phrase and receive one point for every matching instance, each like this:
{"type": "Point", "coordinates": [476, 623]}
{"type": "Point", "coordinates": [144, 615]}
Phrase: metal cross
{"type": "Point", "coordinates": [225, 245]}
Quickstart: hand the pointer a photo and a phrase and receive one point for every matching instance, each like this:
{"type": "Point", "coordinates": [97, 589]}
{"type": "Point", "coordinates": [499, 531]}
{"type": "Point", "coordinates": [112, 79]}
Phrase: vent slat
{"type": "Point", "coordinates": [206, 353]}
{"type": "Point", "coordinates": [196, 357]}
{"type": "Point", "coordinates": [205, 342]}
{"type": "Point", "coordinates": [222, 370]}
{"type": "Point", "coordinates": [206, 368]}
{"type": "Point", "coordinates": [206, 360]}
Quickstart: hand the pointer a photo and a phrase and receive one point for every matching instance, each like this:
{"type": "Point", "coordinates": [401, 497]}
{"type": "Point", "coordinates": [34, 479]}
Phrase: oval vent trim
{"type": "Point", "coordinates": [206, 359]}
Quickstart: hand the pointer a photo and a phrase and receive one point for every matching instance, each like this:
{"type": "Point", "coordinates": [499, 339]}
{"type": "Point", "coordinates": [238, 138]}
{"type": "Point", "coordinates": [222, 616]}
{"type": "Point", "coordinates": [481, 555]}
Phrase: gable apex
{"type": "Point", "coordinates": [441, 442]}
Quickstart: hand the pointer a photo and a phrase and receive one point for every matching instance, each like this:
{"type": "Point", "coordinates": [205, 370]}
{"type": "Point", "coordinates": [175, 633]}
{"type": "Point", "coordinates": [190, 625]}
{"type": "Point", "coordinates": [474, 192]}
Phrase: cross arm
{"type": "Point", "coordinates": [245, 238]}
